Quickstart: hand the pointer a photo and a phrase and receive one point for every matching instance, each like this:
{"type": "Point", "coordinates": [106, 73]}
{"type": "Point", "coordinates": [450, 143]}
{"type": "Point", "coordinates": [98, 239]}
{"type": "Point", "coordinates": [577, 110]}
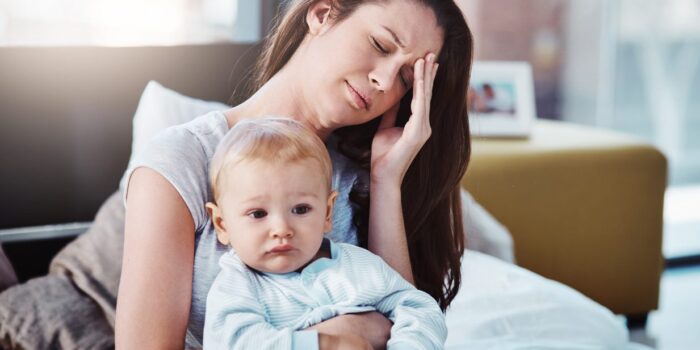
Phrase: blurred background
{"type": "Point", "coordinates": [628, 65]}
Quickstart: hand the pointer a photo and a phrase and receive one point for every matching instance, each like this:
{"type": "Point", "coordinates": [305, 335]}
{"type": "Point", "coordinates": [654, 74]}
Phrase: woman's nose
{"type": "Point", "coordinates": [384, 76]}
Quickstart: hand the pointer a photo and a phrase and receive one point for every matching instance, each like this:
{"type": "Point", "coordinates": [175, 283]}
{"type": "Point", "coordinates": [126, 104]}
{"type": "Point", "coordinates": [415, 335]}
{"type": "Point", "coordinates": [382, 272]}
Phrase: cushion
{"type": "Point", "coordinates": [483, 233]}
{"type": "Point", "coordinates": [160, 108]}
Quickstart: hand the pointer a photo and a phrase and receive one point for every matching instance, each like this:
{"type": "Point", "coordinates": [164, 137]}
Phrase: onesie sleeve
{"type": "Point", "coordinates": [418, 320]}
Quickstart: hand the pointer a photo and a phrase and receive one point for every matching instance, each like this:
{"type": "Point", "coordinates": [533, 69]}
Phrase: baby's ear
{"type": "Point", "coordinates": [218, 220]}
{"type": "Point", "coordinates": [328, 225]}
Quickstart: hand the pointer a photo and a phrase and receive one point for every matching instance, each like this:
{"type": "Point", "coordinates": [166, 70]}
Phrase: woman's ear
{"type": "Point", "coordinates": [218, 220]}
{"type": "Point", "coordinates": [318, 17]}
{"type": "Point", "coordinates": [328, 225]}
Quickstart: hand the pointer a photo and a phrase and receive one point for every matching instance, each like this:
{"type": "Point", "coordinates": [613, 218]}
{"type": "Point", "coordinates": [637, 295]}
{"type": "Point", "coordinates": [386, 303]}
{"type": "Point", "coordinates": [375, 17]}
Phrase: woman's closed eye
{"type": "Point", "coordinates": [384, 51]}
{"type": "Point", "coordinates": [257, 214]}
{"type": "Point", "coordinates": [378, 46]}
{"type": "Point", "coordinates": [301, 209]}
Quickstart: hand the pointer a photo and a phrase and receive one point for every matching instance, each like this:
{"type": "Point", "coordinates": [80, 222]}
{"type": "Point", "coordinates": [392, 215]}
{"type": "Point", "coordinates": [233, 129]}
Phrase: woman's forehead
{"type": "Point", "coordinates": [409, 23]}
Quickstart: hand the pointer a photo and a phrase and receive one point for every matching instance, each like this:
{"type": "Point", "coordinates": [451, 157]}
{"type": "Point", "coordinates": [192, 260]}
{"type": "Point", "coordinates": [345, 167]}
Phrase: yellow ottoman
{"type": "Point", "coordinates": [584, 206]}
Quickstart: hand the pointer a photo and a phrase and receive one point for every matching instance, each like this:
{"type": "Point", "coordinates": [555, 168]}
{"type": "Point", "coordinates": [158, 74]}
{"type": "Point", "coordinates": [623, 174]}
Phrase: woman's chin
{"type": "Point", "coordinates": [350, 119]}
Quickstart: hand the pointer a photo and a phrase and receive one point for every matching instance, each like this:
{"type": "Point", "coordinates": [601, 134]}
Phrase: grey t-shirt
{"type": "Point", "coordinates": [181, 154]}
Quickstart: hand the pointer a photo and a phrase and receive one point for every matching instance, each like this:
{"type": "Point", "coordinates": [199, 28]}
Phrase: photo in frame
{"type": "Point", "coordinates": [501, 99]}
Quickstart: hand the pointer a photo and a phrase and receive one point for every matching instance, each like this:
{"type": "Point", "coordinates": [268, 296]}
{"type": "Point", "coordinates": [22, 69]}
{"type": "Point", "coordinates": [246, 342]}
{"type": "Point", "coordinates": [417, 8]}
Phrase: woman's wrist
{"type": "Point", "coordinates": [386, 231]}
{"type": "Point", "coordinates": [385, 182]}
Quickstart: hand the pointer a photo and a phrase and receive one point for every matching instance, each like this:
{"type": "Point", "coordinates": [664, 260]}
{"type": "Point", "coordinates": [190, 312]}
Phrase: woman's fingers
{"type": "Point", "coordinates": [418, 103]}
{"type": "Point", "coordinates": [426, 95]}
{"type": "Point", "coordinates": [429, 68]}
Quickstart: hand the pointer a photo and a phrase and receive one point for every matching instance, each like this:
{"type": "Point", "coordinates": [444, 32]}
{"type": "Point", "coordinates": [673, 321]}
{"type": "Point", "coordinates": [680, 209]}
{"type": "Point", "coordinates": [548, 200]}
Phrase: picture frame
{"type": "Point", "coordinates": [501, 99]}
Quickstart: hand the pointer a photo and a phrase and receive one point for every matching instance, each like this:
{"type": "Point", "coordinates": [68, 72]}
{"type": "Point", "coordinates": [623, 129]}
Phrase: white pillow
{"type": "Point", "coordinates": [483, 232]}
{"type": "Point", "coordinates": [160, 108]}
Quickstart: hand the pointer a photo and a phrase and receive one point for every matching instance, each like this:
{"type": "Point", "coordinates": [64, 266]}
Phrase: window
{"type": "Point", "coordinates": [130, 22]}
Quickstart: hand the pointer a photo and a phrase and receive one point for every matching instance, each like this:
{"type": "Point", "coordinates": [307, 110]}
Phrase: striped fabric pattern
{"type": "Point", "coordinates": [254, 310]}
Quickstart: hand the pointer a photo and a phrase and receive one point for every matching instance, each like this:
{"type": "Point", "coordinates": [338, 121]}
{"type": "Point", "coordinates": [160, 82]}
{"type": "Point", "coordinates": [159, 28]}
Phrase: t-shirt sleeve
{"type": "Point", "coordinates": [178, 155]}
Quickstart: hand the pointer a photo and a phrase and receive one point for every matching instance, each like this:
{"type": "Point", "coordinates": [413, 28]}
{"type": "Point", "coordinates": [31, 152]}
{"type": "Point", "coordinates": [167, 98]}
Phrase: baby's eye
{"type": "Point", "coordinates": [257, 214]}
{"type": "Point", "coordinates": [301, 209]}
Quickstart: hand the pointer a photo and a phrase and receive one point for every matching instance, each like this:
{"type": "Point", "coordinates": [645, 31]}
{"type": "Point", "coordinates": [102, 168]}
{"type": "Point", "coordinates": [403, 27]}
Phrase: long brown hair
{"type": "Point", "coordinates": [430, 190]}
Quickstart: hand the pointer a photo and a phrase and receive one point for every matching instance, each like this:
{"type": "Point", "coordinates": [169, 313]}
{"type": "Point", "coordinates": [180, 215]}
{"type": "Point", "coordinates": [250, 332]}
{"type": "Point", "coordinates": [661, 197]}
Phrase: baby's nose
{"type": "Point", "coordinates": [281, 230]}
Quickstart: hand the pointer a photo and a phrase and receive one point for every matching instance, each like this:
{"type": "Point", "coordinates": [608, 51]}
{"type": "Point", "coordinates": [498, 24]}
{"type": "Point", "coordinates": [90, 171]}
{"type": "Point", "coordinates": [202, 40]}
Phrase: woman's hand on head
{"type": "Point", "coordinates": [393, 147]}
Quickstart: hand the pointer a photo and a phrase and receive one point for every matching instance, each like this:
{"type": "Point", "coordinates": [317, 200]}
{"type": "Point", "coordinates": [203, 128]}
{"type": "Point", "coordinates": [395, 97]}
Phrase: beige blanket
{"type": "Point", "coordinates": [73, 307]}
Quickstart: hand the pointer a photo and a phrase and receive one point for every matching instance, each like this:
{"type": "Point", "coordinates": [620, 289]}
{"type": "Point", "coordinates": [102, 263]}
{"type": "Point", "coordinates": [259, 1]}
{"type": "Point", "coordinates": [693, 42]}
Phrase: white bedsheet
{"type": "Point", "coordinates": [503, 306]}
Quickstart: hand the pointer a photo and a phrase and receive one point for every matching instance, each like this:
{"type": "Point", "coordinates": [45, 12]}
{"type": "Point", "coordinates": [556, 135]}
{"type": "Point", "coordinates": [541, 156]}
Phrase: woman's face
{"type": "Point", "coordinates": [357, 69]}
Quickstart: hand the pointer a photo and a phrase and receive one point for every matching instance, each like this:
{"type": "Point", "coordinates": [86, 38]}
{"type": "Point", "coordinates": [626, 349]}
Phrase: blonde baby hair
{"type": "Point", "coordinates": [271, 139]}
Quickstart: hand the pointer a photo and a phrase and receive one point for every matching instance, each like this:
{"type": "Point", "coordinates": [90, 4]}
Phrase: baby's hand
{"type": "Point", "coordinates": [342, 342]}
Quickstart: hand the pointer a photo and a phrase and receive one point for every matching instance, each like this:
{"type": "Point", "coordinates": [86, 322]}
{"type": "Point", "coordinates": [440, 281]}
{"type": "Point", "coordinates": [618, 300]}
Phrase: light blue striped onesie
{"type": "Point", "coordinates": [247, 309]}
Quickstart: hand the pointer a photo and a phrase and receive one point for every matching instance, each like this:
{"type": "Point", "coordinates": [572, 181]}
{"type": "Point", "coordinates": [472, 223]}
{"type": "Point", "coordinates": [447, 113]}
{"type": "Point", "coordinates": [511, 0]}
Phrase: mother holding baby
{"type": "Point", "coordinates": [384, 84]}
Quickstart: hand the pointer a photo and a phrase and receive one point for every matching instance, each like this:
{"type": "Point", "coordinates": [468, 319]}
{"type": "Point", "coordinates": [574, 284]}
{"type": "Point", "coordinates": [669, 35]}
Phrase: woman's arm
{"type": "Point", "coordinates": [393, 151]}
{"type": "Point", "coordinates": [387, 234]}
{"type": "Point", "coordinates": [156, 280]}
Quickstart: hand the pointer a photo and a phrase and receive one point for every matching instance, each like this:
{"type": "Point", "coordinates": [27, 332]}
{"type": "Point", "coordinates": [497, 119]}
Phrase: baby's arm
{"type": "Point", "coordinates": [418, 321]}
{"type": "Point", "coordinates": [235, 318]}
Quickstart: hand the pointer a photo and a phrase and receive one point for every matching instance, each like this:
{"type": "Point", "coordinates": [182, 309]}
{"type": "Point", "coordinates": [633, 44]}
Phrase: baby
{"type": "Point", "coordinates": [271, 181]}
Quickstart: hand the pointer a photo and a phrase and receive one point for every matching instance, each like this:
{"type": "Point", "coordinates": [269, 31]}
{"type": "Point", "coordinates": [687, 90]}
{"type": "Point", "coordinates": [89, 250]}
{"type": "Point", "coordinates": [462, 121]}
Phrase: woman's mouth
{"type": "Point", "coordinates": [361, 102]}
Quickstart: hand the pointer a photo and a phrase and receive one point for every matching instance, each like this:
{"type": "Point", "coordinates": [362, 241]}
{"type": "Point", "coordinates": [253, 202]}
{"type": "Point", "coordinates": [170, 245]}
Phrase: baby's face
{"type": "Point", "coordinates": [275, 215]}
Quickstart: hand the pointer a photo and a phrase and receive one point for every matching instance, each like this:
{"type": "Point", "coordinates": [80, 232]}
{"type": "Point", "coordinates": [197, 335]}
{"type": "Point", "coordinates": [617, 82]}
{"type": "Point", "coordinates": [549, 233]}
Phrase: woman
{"type": "Point", "coordinates": [335, 65]}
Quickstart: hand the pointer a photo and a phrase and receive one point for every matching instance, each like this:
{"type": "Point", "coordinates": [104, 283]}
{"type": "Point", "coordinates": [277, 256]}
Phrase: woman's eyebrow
{"type": "Point", "coordinates": [396, 37]}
